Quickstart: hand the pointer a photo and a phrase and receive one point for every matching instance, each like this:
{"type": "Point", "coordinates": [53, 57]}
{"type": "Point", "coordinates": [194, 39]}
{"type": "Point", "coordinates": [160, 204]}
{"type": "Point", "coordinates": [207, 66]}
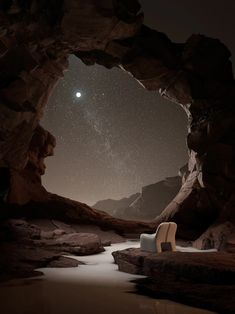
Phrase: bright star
{"type": "Point", "coordinates": [78, 94]}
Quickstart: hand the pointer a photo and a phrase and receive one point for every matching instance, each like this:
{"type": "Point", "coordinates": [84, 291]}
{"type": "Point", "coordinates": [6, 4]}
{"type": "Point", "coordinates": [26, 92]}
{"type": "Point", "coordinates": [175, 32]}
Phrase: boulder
{"type": "Point", "coordinates": [75, 243]}
{"type": "Point", "coordinates": [20, 230]}
{"type": "Point", "coordinates": [198, 279]}
{"type": "Point", "coordinates": [21, 260]}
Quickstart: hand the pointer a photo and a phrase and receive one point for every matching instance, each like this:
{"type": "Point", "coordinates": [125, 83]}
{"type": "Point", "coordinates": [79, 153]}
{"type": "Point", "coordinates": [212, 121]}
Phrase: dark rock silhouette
{"type": "Point", "coordinates": [25, 184]}
{"type": "Point", "coordinates": [36, 38]}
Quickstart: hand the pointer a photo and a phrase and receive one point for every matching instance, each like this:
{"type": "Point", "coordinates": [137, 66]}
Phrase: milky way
{"type": "Point", "coordinates": [118, 137]}
{"type": "Point", "coordinates": [112, 140]}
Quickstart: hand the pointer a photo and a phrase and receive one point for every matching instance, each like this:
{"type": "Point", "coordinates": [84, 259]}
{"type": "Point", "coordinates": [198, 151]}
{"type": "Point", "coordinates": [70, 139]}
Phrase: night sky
{"type": "Point", "coordinates": [118, 137]}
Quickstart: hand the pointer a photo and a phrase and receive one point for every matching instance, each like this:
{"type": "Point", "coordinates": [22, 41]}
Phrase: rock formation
{"type": "Point", "coordinates": [25, 184]}
{"type": "Point", "coordinates": [36, 38]}
{"type": "Point", "coordinates": [200, 279]}
{"type": "Point", "coordinates": [113, 207]}
{"type": "Point", "coordinates": [26, 245]}
{"type": "Point", "coordinates": [145, 205]}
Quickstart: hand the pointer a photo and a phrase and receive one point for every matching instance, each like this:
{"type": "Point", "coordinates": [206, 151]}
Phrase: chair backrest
{"type": "Point", "coordinates": [171, 232]}
{"type": "Point", "coordinates": [162, 231]}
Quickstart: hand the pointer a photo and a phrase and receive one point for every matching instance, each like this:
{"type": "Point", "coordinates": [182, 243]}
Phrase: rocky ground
{"type": "Point", "coordinates": [204, 280]}
{"type": "Point", "coordinates": [28, 245]}
{"type": "Point", "coordinates": [197, 279]}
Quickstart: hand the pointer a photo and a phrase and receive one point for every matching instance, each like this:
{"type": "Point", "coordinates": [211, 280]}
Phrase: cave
{"type": "Point", "coordinates": [114, 143]}
{"type": "Point", "coordinates": [197, 75]}
{"type": "Point", "coordinates": [36, 39]}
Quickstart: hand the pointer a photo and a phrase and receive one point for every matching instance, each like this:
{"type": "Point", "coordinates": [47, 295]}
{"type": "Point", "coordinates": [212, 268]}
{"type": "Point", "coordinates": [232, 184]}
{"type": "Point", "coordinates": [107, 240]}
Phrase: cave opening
{"type": "Point", "coordinates": [197, 74]}
{"type": "Point", "coordinates": [113, 140]}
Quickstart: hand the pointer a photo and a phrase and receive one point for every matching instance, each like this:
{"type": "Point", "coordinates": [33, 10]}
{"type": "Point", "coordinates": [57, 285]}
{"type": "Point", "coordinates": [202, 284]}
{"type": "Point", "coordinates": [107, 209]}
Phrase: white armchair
{"type": "Point", "coordinates": [165, 234]}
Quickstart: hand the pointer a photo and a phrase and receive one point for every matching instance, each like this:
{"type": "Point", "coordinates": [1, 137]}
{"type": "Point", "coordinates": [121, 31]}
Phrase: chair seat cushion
{"type": "Point", "coordinates": [148, 242]}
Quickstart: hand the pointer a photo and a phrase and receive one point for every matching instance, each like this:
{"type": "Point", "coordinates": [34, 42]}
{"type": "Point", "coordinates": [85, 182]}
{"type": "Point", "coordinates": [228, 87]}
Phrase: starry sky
{"type": "Point", "coordinates": [118, 137]}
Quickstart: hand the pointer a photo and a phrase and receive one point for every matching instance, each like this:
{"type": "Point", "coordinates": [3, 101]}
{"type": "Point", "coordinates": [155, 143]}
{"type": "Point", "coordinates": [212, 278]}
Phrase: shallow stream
{"type": "Point", "coordinates": [97, 287]}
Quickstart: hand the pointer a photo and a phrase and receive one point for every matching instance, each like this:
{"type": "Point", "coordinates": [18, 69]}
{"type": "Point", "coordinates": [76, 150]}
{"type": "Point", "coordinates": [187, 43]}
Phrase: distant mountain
{"type": "Point", "coordinates": [155, 197]}
{"type": "Point", "coordinates": [145, 205]}
{"type": "Point", "coordinates": [113, 206]}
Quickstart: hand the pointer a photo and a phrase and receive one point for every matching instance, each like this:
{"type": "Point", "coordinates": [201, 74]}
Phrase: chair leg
{"type": "Point", "coordinates": [173, 246]}
{"type": "Point", "coordinates": [159, 246]}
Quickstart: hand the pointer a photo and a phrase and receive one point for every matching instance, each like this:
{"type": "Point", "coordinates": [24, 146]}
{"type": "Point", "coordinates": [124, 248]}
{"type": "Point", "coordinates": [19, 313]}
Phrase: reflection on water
{"type": "Point", "coordinates": [97, 287]}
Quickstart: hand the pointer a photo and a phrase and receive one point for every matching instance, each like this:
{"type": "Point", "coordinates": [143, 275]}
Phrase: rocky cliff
{"type": "Point", "coordinates": [36, 38]}
{"type": "Point", "coordinates": [115, 207]}
{"type": "Point", "coordinates": [145, 205]}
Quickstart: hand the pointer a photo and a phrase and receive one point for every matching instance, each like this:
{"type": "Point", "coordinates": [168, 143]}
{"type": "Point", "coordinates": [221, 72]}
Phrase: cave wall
{"type": "Point", "coordinates": [36, 38]}
{"type": "Point", "coordinates": [25, 183]}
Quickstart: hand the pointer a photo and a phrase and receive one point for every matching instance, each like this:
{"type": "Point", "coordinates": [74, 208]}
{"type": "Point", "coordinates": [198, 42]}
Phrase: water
{"type": "Point", "coordinates": [97, 287]}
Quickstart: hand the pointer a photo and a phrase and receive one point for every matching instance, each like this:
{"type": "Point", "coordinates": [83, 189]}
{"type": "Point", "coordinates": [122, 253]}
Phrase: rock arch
{"type": "Point", "coordinates": [36, 38]}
